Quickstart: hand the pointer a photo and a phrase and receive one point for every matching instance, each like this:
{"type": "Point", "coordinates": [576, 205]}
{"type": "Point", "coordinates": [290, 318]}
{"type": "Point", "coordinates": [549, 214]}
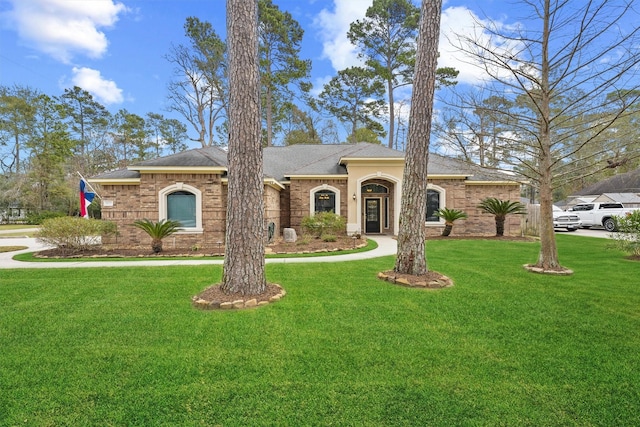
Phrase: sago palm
{"type": "Point", "coordinates": [449, 216]}
{"type": "Point", "coordinates": [157, 230]}
{"type": "Point", "coordinates": [500, 209]}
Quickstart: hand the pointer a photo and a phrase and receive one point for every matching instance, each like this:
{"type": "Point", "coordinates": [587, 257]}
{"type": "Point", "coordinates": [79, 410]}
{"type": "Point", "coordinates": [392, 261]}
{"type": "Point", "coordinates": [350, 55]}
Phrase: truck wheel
{"type": "Point", "coordinates": [609, 224]}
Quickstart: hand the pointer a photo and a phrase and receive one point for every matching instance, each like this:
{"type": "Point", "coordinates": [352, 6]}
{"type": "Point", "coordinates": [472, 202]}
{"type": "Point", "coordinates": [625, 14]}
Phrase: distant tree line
{"type": "Point", "coordinates": [45, 139]}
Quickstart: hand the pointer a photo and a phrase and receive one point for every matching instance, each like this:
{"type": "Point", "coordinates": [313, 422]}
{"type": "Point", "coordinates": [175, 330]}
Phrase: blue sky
{"type": "Point", "coordinates": [115, 48]}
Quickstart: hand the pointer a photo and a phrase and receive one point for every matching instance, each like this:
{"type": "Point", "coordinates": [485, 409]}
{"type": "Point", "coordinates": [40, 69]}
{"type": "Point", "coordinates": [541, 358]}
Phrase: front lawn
{"type": "Point", "coordinates": [123, 346]}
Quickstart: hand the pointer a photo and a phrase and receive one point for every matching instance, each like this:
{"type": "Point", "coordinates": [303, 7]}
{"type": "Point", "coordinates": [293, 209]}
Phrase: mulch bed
{"type": "Point", "coordinates": [279, 247]}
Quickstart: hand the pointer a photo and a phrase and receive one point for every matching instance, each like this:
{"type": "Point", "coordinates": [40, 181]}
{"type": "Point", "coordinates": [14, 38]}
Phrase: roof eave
{"type": "Point", "coordinates": [114, 181]}
{"type": "Point", "coordinates": [325, 176]}
{"type": "Point", "coordinates": [178, 169]}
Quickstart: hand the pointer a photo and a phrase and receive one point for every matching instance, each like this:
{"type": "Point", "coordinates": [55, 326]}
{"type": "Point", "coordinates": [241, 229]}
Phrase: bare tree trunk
{"type": "Point", "coordinates": [244, 249]}
{"type": "Point", "coordinates": [411, 258]}
{"type": "Point", "coordinates": [548, 258]}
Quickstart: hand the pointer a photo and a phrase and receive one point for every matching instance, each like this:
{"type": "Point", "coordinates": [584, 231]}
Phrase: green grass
{"type": "Point", "coordinates": [17, 230]}
{"type": "Point", "coordinates": [122, 346]}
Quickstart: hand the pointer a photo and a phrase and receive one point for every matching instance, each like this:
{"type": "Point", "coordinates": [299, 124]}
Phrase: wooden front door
{"type": "Point", "coordinates": [372, 215]}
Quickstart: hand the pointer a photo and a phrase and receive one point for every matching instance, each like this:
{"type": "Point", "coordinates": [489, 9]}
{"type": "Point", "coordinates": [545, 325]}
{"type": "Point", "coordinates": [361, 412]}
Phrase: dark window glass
{"type": "Point", "coordinates": [433, 204]}
{"type": "Point", "coordinates": [325, 201]}
{"type": "Point", "coordinates": [374, 188]}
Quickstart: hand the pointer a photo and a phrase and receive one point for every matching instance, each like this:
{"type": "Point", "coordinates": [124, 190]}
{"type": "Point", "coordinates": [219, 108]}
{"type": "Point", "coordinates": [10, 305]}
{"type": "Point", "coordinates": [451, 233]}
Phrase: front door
{"type": "Point", "coordinates": [372, 215]}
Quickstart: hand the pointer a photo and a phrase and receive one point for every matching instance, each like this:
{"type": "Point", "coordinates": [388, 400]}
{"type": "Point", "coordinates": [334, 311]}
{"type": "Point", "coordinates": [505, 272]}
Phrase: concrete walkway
{"type": "Point", "coordinates": [386, 246]}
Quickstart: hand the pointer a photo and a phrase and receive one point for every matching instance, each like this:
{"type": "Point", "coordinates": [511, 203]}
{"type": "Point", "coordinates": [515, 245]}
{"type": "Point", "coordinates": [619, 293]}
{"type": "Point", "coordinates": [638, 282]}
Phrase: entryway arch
{"type": "Point", "coordinates": [378, 204]}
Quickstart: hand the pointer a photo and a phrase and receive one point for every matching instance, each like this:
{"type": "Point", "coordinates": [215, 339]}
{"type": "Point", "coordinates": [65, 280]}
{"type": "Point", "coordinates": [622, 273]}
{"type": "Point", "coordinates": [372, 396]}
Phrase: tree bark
{"type": "Point", "coordinates": [548, 258]}
{"type": "Point", "coordinates": [244, 249]}
{"type": "Point", "coordinates": [411, 258]}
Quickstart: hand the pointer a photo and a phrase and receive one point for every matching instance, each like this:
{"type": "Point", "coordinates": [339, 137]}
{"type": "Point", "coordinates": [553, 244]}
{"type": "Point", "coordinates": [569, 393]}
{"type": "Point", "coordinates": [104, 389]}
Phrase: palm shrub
{"type": "Point", "coordinates": [500, 209]}
{"type": "Point", "coordinates": [449, 216]}
{"type": "Point", "coordinates": [157, 230]}
{"type": "Point", "coordinates": [628, 236]}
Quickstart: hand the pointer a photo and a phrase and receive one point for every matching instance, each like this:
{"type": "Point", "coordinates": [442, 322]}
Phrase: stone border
{"type": "Point", "coordinates": [539, 270]}
{"type": "Point", "coordinates": [442, 282]}
{"type": "Point", "coordinates": [204, 304]}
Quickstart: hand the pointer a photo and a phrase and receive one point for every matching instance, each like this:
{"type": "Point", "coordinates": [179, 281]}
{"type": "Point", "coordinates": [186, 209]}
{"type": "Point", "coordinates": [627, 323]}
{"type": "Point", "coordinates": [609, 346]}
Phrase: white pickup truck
{"type": "Point", "coordinates": [599, 214]}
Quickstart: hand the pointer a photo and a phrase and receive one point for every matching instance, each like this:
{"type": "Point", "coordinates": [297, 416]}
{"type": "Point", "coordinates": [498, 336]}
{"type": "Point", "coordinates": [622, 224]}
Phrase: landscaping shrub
{"type": "Point", "coordinates": [329, 237]}
{"type": "Point", "coordinates": [324, 223]}
{"type": "Point", "coordinates": [72, 234]}
{"type": "Point", "coordinates": [628, 236]}
{"type": "Point", "coordinates": [37, 218]}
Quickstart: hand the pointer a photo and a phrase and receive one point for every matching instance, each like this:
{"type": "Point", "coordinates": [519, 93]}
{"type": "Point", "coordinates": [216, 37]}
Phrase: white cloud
{"type": "Point", "coordinates": [63, 28]}
{"type": "Point", "coordinates": [105, 91]}
{"type": "Point", "coordinates": [333, 27]}
{"type": "Point", "coordinates": [459, 22]}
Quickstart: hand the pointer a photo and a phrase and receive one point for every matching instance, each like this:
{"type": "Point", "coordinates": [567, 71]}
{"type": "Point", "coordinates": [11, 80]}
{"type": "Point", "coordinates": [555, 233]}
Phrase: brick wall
{"type": "Point", "coordinates": [299, 199]}
{"type": "Point", "coordinates": [466, 198]}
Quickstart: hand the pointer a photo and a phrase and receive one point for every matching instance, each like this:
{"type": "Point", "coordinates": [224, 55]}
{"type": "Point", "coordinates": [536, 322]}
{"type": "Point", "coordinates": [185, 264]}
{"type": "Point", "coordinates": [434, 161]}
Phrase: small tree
{"type": "Point", "coordinates": [157, 231]}
{"type": "Point", "coordinates": [449, 216]}
{"type": "Point", "coordinates": [500, 209]}
{"type": "Point", "coordinates": [628, 236]}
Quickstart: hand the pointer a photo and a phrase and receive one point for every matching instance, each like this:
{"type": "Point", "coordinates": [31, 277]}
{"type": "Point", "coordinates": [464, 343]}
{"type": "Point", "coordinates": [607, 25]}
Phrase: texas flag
{"type": "Point", "coordinates": [85, 199]}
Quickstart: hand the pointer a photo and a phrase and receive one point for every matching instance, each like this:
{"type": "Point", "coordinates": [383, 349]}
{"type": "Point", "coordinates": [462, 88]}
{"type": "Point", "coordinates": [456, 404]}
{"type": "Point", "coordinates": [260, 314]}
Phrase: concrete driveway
{"type": "Point", "coordinates": [588, 232]}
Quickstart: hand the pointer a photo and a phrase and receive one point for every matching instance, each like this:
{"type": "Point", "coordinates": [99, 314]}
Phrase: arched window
{"type": "Point", "coordinates": [325, 201]}
{"type": "Point", "coordinates": [374, 188]}
{"type": "Point", "coordinates": [324, 198]}
{"type": "Point", "coordinates": [435, 200]}
{"type": "Point", "coordinates": [181, 206]}
{"type": "Point", "coordinates": [181, 202]}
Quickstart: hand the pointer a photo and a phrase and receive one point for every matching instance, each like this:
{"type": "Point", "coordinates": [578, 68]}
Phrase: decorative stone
{"type": "Point", "coordinates": [238, 303]}
{"type": "Point", "coordinates": [251, 303]}
{"type": "Point", "coordinates": [403, 282]}
{"type": "Point", "coordinates": [289, 235]}
{"type": "Point", "coordinates": [261, 303]}
{"type": "Point", "coordinates": [226, 305]}
{"type": "Point", "coordinates": [275, 298]}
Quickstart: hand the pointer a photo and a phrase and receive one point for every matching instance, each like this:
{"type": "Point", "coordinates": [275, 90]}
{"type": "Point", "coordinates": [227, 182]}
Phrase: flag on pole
{"type": "Point", "coordinates": [86, 198]}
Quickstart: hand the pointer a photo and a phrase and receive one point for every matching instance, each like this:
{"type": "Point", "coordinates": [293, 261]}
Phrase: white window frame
{"type": "Point", "coordinates": [179, 186]}
{"type": "Point", "coordinates": [312, 198]}
{"type": "Point", "coordinates": [443, 199]}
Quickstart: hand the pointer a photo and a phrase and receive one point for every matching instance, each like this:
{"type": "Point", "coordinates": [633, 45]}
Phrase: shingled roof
{"type": "Point", "coordinates": [280, 163]}
{"type": "Point", "coordinates": [624, 183]}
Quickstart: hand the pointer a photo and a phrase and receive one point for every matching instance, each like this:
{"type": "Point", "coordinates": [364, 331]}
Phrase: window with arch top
{"type": "Point", "coordinates": [181, 207]}
{"type": "Point", "coordinates": [435, 201]}
{"type": "Point", "coordinates": [324, 201]}
{"type": "Point", "coordinates": [183, 203]}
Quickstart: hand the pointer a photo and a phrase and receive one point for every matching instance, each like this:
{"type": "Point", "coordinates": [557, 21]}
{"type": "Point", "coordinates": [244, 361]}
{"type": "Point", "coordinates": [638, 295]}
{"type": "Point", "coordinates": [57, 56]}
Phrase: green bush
{"type": "Point", "coordinates": [37, 218]}
{"type": "Point", "coordinates": [628, 236]}
{"type": "Point", "coordinates": [324, 223]}
{"type": "Point", "coordinates": [329, 237]}
{"type": "Point", "coordinates": [72, 234]}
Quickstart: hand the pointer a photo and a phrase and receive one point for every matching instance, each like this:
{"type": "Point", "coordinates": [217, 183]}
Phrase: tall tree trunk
{"type": "Point", "coordinates": [411, 258]}
{"type": "Point", "coordinates": [244, 249]}
{"type": "Point", "coordinates": [392, 114]}
{"type": "Point", "coordinates": [548, 257]}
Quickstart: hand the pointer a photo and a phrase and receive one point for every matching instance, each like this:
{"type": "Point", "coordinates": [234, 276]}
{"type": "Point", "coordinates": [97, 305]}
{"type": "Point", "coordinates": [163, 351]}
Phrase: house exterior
{"type": "Point", "coordinates": [362, 182]}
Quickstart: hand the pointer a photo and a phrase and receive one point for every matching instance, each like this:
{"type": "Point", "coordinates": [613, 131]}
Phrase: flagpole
{"type": "Point", "coordinates": [88, 184]}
